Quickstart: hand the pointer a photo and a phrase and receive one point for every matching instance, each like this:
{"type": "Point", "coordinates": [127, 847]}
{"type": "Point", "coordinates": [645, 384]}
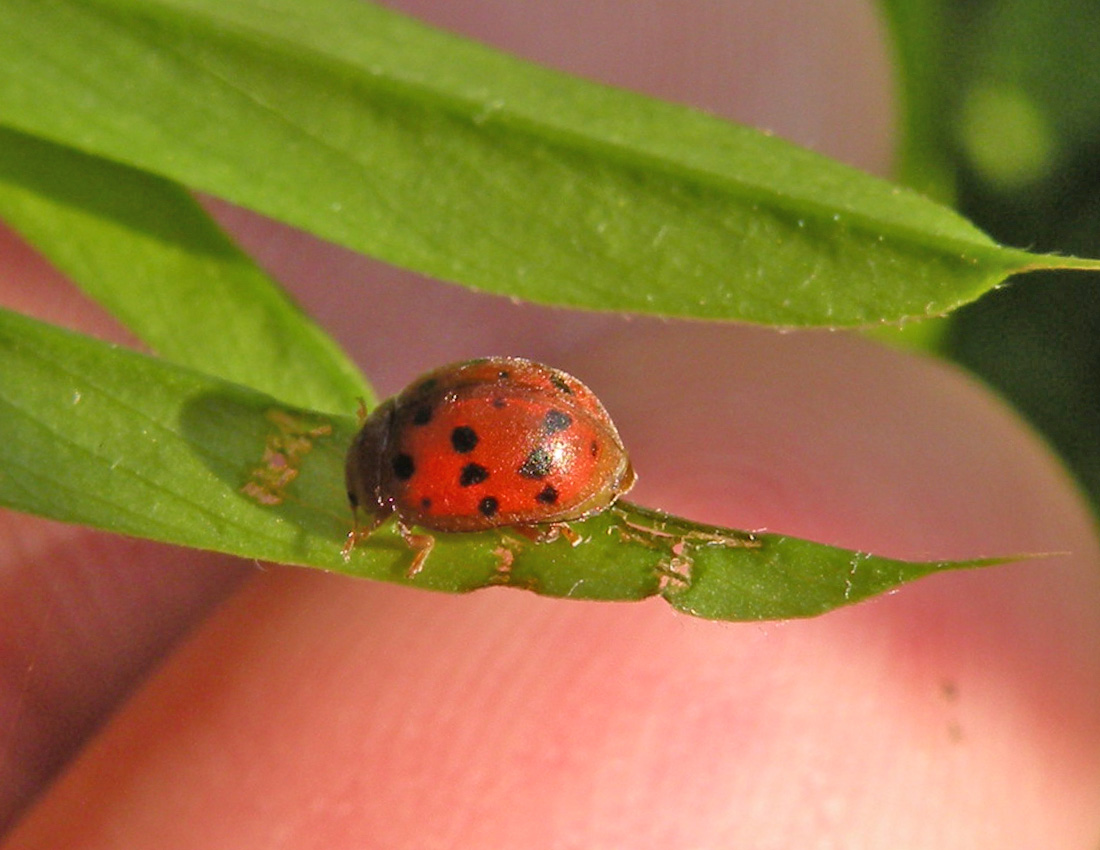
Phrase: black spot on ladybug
{"type": "Point", "coordinates": [558, 381]}
{"type": "Point", "coordinates": [504, 374]}
{"type": "Point", "coordinates": [464, 439]}
{"type": "Point", "coordinates": [427, 386]}
{"type": "Point", "coordinates": [472, 473]}
{"type": "Point", "coordinates": [488, 506]}
{"type": "Point", "coordinates": [499, 402]}
{"type": "Point", "coordinates": [556, 421]}
{"type": "Point", "coordinates": [422, 415]}
{"type": "Point", "coordinates": [594, 449]}
{"type": "Point", "coordinates": [537, 464]}
{"type": "Point", "coordinates": [547, 495]}
{"type": "Point", "coordinates": [425, 503]}
{"type": "Point", "coordinates": [403, 466]}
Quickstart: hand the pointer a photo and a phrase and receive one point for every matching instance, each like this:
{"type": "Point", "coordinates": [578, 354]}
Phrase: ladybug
{"type": "Point", "coordinates": [482, 444]}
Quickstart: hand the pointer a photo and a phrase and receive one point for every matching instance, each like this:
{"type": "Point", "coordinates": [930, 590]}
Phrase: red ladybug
{"type": "Point", "coordinates": [486, 443]}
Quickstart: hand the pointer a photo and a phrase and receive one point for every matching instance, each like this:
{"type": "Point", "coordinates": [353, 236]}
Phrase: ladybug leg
{"type": "Point", "coordinates": [421, 544]}
{"type": "Point", "coordinates": [360, 532]}
{"type": "Point", "coordinates": [548, 533]}
{"type": "Point", "coordinates": [565, 530]}
{"type": "Point", "coordinates": [361, 411]}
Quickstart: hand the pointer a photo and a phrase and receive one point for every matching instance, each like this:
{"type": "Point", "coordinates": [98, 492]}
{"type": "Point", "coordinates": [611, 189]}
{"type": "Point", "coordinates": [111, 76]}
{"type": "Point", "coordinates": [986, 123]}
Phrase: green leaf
{"type": "Point", "coordinates": [443, 156]}
{"type": "Point", "coordinates": [104, 436]}
{"type": "Point", "coordinates": [145, 250]}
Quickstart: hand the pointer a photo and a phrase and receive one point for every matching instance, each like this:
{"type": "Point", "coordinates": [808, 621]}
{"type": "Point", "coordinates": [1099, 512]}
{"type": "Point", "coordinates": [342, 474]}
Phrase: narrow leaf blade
{"type": "Point", "coordinates": [104, 436]}
{"type": "Point", "coordinates": [443, 156]}
{"type": "Point", "coordinates": [145, 250]}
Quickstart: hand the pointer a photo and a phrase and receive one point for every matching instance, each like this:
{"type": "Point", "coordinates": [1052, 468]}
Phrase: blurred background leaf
{"type": "Point", "coordinates": [1002, 106]}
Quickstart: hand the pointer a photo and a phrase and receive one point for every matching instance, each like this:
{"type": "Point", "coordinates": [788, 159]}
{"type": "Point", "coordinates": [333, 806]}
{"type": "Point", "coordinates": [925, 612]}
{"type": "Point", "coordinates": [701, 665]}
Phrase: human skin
{"type": "Point", "coordinates": [317, 711]}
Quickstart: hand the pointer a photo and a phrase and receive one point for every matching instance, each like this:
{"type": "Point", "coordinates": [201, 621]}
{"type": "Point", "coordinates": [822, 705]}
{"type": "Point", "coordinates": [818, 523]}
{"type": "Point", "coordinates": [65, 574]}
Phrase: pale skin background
{"type": "Point", "coordinates": [247, 705]}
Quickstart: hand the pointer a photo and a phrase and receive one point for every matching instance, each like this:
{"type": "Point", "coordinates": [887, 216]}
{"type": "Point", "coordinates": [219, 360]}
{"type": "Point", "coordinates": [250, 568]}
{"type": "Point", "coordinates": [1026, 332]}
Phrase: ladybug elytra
{"type": "Point", "coordinates": [500, 441]}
